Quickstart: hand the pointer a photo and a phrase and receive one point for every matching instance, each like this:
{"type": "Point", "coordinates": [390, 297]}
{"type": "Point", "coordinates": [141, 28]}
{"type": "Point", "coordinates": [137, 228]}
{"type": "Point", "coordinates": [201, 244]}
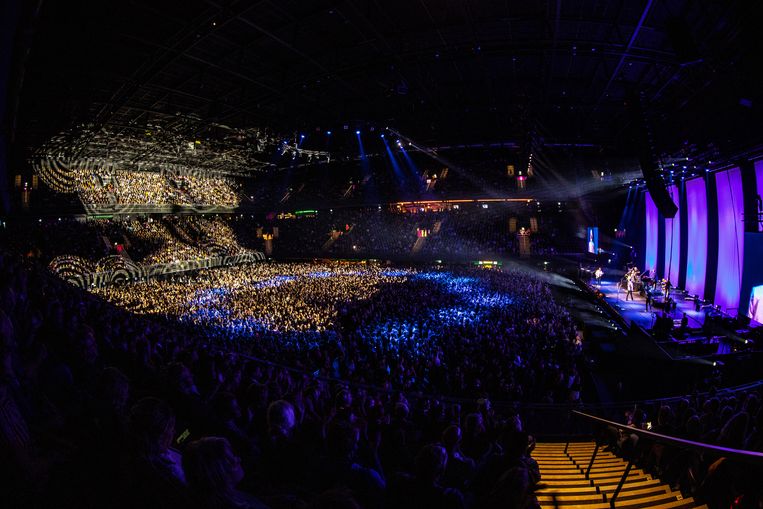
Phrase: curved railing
{"type": "Point", "coordinates": [682, 443]}
{"type": "Point", "coordinates": [748, 457]}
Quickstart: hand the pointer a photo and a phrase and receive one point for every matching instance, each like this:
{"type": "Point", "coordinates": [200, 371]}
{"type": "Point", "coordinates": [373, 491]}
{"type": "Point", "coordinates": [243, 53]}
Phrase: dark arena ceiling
{"type": "Point", "coordinates": [440, 71]}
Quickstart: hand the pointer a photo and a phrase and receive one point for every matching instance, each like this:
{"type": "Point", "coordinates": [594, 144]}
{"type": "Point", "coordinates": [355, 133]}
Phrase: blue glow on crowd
{"type": "Point", "coordinates": [470, 301]}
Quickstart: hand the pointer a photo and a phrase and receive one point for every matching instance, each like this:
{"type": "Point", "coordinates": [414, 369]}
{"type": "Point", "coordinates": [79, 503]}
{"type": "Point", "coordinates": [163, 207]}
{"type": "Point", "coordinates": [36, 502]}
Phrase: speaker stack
{"type": "Point", "coordinates": [644, 142]}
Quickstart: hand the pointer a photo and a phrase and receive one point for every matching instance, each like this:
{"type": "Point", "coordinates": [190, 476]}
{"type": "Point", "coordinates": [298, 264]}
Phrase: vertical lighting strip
{"type": "Point", "coordinates": [673, 241]}
{"type": "Point", "coordinates": [759, 184]}
{"type": "Point", "coordinates": [730, 239]}
{"type": "Point", "coordinates": [650, 251]}
{"type": "Point", "coordinates": [696, 259]}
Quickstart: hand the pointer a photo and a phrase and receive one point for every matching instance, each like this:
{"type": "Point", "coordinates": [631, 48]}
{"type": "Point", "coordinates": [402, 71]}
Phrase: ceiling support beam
{"type": "Point", "coordinates": [631, 42]}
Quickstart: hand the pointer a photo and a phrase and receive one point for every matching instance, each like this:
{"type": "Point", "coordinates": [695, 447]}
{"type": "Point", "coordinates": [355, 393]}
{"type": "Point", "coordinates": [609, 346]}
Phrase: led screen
{"type": "Point", "coordinates": [751, 296]}
{"type": "Point", "coordinates": [592, 234]}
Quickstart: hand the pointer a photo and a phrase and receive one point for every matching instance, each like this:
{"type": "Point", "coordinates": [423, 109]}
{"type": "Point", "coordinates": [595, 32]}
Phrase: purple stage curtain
{"type": "Point", "coordinates": [759, 181]}
{"type": "Point", "coordinates": [652, 218]}
{"type": "Point", "coordinates": [696, 254]}
{"type": "Point", "coordinates": [730, 239]}
{"type": "Point", "coordinates": [673, 241]}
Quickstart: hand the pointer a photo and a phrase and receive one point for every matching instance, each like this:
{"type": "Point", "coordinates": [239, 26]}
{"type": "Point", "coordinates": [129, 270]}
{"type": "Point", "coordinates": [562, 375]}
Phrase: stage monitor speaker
{"type": "Point", "coordinates": [644, 143]}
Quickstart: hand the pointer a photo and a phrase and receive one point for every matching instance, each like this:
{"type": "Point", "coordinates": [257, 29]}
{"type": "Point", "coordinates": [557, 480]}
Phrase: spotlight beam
{"type": "Point", "coordinates": [434, 155]}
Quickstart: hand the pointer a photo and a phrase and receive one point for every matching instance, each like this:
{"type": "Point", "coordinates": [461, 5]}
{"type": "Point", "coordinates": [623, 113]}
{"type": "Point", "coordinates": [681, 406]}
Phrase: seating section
{"type": "Point", "coordinates": [564, 482]}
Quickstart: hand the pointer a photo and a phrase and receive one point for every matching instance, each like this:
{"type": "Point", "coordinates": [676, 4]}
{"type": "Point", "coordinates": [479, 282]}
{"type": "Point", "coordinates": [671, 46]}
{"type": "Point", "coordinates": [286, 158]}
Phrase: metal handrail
{"type": "Point", "coordinates": [736, 454]}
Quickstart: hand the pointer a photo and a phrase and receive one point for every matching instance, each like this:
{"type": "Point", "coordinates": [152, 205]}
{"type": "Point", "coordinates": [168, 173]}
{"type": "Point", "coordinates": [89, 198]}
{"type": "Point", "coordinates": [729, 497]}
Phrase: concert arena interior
{"type": "Point", "coordinates": [362, 254]}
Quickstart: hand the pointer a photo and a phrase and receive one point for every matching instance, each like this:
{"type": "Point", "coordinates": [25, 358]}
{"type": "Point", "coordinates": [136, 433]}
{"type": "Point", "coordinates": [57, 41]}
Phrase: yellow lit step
{"type": "Point", "coordinates": [610, 487]}
{"type": "Point", "coordinates": [653, 501]}
{"type": "Point", "coordinates": [580, 490]}
{"type": "Point", "coordinates": [570, 499]}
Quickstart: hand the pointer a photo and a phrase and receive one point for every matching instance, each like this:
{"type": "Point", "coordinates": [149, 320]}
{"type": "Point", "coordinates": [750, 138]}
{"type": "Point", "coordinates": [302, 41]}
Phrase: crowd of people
{"type": "Point", "coordinates": [153, 242]}
{"type": "Point", "coordinates": [473, 233]}
{"type": "Point", "coordinates": [208, 190]}
{"type": "Point", "coordinates": [431, 330]}
{"type": "Point", "coordinates": [464, 234]}
{"type": "Point", "coordinates": [123, 187]}
{"type": "Point", "coordinates": [303, 385]}
{"type": "Point", "coordinates": [467, 233]}
{"type": "Point", "coordinates": [214, 235]}
{"type": "Point", "coordinates": [99, 406]}
{"type": "Point", "coordinates": [374, 233]}
{"type": "Point", "coordinates": [149, 241]}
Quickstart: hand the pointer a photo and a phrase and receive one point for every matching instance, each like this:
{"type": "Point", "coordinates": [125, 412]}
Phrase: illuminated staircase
{"type": "Point", "coordinates": [333, 237]}
{"type": "Point", "coordinates": [564, 482]}
{"type": "Point", "coordinates": [418, 245]}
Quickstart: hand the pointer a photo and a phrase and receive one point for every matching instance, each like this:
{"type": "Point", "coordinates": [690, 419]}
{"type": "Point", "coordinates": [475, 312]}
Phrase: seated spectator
{"type": "Point", "coordinates": [340, 468]}
{"type": "Point", "coordinates": [423, 490]}
{"type": "Point", "coordinates": [335, 499]}
{"type": "Point", "coordinates": [213, 471]}
{"type": "Point", "coordinates": [515, 486]}
{"type": "Point", "coordinates": [460, 468]}
{"type": "Point", "coordinates": [283, 462]}
{"type": "Point", "coordinates": [227, 415]}
{"type": "Point", "coordinates": [153, 472]}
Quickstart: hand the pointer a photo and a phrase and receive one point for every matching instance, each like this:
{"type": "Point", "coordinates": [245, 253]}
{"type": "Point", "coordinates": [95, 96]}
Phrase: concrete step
{"type": "Point", "coordinates": [569, 471]}
{"type": "Point", "coordinates": [665, 500]}
{"type": "Point", "coordinates": [610, 487]}
{"type": "Point", "coordinates": [657, 489]}
{"type": "Point", "coordinates": [563, 499]}
{"type": "Point", "coordinates": [567, 483]}
{"type": "Point", "coordinates": [580, 490]}
{"type": "Point", "coordinates": [635, 472]}
{"type": "Point", "coordinates": [587, 456]}
{"type": "Point", "coordinates": [608, 469]}
{"type": "Point", "coordinates": [563, 480]}
{"type": "Point", "coordinates": [603, 463]}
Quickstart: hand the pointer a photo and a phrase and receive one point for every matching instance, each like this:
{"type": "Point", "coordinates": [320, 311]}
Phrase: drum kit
{"type": "Point", "coordinates": [643, 282]}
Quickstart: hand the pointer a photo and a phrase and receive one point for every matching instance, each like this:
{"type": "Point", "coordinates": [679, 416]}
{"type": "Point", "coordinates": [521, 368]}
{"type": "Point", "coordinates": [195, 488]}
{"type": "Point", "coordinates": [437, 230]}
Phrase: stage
{"type": "Point", "coordinates": [724, 336]}
{"type": "Point", "coordinates": [634, 311]}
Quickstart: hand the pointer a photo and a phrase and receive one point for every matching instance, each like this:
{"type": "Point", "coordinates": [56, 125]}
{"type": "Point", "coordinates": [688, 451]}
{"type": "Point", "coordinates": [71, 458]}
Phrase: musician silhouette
{"type": "Point", "coordinates": [629, 287]}
{"type": "Point", "coordinates": [666, 289]}
{"type": "Point", "coordinates": [598, 273]}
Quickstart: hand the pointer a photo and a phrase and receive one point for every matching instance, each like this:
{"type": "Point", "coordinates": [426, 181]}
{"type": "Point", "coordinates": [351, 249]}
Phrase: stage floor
{"type": "Point", "coordinates": [634, 311]}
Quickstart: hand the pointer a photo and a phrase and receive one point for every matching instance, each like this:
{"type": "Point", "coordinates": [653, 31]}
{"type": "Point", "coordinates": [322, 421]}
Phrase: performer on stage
{"type": "Point", "coordinates": [629, 287]}
{"type": "Point", "coordinates": [648, 301]}
{"type": "Point", "coordinates": [666, 289]}
{"type": "Point", "coordinates": [598, 273]}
